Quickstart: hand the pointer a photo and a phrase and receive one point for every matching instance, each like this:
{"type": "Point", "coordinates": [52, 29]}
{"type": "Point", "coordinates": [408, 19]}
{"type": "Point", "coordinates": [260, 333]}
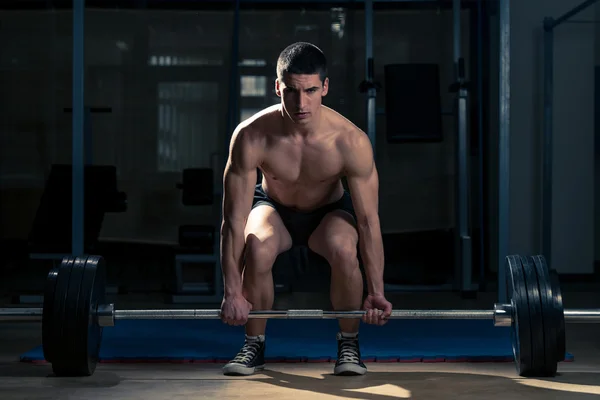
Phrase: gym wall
{"type": "Point", "coordinates": [166, 77]}
{"type": "Point", "coordinates": [130, 57]}
{"type": "Point", "coordinates": [575, 244]}
{"type": "Point", "coordinates": [163, 118]}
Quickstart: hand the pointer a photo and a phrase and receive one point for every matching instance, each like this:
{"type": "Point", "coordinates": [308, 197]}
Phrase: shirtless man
{"type": "Point", "coordinates": [303, 149]}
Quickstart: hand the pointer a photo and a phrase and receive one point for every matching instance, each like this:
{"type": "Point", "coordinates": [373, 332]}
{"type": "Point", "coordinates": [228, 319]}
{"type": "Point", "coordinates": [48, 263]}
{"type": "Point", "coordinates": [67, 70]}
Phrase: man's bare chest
{"type": "Point", "coordinates": [303, 163]}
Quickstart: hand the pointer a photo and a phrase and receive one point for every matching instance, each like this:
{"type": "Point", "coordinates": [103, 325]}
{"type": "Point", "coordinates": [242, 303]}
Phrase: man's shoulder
{"type": "Point", "coordinates": [349, 136]}
{"type": "Point", "coordinates": [255, 127]}
{"type": "Point", "coordinates": [260, 118]}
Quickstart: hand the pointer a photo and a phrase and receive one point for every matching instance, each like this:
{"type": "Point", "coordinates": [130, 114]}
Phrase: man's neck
{"type": "Point", "coordinates": [304, 130]}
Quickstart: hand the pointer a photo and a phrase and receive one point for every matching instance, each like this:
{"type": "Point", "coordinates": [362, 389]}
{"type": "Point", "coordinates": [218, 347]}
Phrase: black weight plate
{"type": "Point", "coordinates": [88, 284]}
{"type": "Point", "coordinates": [62, 285]}
{"type": "Point", "coordinates": [95, 279]}
{"type": "Point", "coordinates": [48, 338]}
{"type": "Point", "coordinates": [549, 315]}
{"type": "Point", "coordinates": [91, 332]}
{"type": "Point", "coordinates": [520, 329]}
{"type": "Point", "coordinates": [81, 320]}
{"type": "Point", "coordinates": [536, 321]}
{"type": "Point", "coordinates": [63, 297]}
{"type": "Point", "coordinates": [561, 341]}
{"type": "Point", "coordinates": [71, 332]}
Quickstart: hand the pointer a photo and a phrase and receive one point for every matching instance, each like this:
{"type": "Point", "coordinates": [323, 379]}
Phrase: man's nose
{"type": "Point", "coordinates": [302, 100]}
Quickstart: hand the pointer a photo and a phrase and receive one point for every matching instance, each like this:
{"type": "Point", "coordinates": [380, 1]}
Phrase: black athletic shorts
{"type": "Point", "coordinates": [301, 224]}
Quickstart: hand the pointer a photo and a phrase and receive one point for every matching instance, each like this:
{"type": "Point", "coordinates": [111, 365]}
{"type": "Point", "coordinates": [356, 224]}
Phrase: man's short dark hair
{"type": "Point", "coordinates": [303, 59]}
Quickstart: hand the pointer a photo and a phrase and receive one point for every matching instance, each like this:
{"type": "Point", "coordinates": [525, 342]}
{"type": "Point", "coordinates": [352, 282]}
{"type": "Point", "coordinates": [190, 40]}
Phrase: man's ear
{"type": "Point", "coordinates": [277, 88]}
{"type": "Point", "coordinates": [325, 87]}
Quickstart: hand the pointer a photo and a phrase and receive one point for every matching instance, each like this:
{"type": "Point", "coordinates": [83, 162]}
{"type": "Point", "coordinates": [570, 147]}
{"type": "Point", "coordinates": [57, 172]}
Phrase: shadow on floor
{"type": "Point", "coordinates": [372, 386]}
{"type": "Point", "coordinates": [386, 385]}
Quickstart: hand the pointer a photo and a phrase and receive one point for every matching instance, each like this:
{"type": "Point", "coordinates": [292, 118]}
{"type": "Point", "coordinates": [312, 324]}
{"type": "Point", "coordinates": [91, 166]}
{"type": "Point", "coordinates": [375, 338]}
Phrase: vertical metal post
{"type": "Point", "coordinates": [78, 146]}
{"type": "Point", "coordinates": [464, 235]}
{"type": "Point", "coordinates": [456, 25]}
{"type": "Point", "coordinates": [503, 146]}
{"type": "Point", "coordinates": [234, 93]}
{"type": "Point", "coordinates": [547, 149]}
{"type": "Point", "coordinates": [463, 269]}
{"type": "Point", "coordinates": [233, 112]}
{"type": "Point", "coordinates": [232, 122]}
{"type": "Point", "coordinates": [88, 138]}
{"type": "Point", "coordinates": [480, 139]}
{"type": "Point", "coordinates": [370, 74]}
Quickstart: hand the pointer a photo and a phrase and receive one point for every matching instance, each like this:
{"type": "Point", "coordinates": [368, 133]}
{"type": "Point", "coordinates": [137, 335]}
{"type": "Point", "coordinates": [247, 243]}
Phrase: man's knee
{"type": "Point", "coordinates": [260, 254]}
{"type": "Point", "coordinates": [342, 254]}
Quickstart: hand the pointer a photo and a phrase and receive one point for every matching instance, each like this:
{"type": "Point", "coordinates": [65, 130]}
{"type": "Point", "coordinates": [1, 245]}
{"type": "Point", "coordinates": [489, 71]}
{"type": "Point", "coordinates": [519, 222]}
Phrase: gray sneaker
{"type": "Point", "coordinates": [348, 357]}
{"type": "Point", "coordinates": [251, 358]}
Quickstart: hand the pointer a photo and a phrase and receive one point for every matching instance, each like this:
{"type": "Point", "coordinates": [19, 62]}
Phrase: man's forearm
{"type": "Point", "coordinates": [371, 250]}
{"type": "Point", "coordinates": [232, 249]}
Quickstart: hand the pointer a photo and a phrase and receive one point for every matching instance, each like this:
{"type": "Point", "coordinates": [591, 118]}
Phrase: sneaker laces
{"type": "Point", "coordinates": [248, 352]}
{"type": "Point", "coordinates": [348, 351]}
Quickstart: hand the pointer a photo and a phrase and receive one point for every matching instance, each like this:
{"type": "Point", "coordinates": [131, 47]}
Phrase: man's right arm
{"type": "Point", "coordinates": [239, 180]}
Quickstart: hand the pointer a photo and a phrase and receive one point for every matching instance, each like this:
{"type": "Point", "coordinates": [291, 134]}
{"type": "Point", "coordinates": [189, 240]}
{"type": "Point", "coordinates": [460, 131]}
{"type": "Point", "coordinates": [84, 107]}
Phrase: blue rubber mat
{"type": "Point", "coordinates": [303, 341]}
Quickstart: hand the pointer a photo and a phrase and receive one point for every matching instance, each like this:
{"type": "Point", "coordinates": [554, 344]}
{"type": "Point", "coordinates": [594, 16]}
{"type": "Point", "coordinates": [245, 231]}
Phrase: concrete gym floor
{"type": "Point", "coordinates": [576, 380]}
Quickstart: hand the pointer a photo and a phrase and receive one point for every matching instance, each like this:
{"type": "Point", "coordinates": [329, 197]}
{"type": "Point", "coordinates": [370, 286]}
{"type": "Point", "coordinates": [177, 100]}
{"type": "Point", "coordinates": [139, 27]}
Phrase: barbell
{"type": "Point", "coordinates": [75, 312]}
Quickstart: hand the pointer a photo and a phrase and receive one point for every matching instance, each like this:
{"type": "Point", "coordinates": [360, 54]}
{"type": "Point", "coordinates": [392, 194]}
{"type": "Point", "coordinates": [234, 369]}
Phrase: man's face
{"type": "Point", "coordinates": [301, 95]}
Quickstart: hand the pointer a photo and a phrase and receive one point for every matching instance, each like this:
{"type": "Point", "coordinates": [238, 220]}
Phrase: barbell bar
{"type": "Point", "coordinates": [106, 314]}
{"type": "Point", "coordinates": [75, 312]}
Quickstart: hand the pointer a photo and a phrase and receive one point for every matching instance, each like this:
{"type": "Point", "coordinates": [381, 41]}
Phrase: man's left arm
{"type": "Point", "coordinates": [363, 182]}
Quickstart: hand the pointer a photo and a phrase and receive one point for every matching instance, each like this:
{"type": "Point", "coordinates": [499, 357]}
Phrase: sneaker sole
{"type": "Point", "coordinates": [240, 370]}
{"type": "Point", "coordinates": [349, 370]}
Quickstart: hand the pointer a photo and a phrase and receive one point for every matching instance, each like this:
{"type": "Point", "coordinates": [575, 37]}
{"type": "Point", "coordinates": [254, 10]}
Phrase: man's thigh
{"type": "Point", "coordinates": [265, 227]}
{"type": "Point", "coordinates": [312, 272]}
{"type": "Point", "coordinates": [336, 229]}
